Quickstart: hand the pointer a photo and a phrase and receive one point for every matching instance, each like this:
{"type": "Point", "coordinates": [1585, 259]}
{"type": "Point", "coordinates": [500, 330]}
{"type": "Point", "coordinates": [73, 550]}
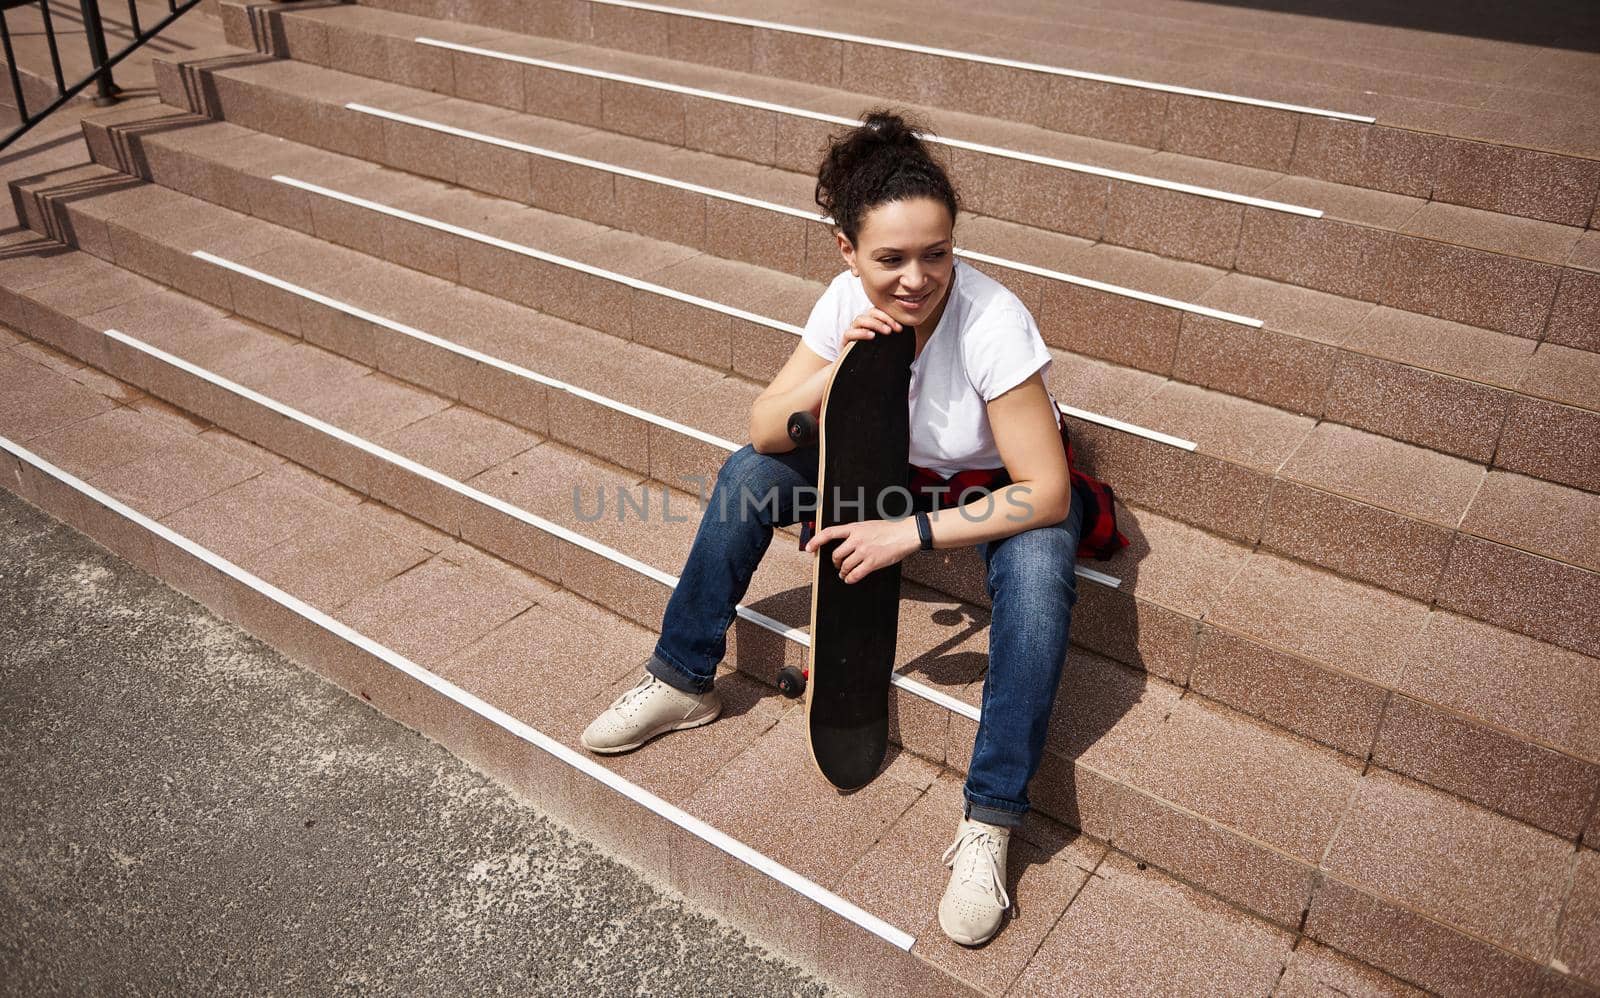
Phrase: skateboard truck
{"type": "Point", "coordinates": [803, 431]}
{"type": "Point", "coordinates": [803, 428]}
{"type": "Point", "coordinates": [792, 681]}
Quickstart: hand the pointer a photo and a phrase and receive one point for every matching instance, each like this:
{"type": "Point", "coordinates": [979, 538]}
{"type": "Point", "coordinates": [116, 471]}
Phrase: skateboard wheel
{"type": "Point", "coordinates": [791, 682]}
{"type": "Point", "coordinates": [803, 428]}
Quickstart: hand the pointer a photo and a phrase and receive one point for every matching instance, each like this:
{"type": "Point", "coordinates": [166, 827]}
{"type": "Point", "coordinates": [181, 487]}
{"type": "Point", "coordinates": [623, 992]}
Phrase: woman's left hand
{"type": "Point", "coordinates": [868, 545]}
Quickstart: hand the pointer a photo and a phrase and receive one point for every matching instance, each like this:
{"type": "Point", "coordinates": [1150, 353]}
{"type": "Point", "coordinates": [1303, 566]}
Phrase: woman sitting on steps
{"type": "Point", "coordinates": [980, 415]}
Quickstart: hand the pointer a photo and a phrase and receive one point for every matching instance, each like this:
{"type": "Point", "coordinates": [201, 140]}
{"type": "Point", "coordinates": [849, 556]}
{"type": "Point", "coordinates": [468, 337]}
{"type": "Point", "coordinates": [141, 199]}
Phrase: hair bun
{"type": "Point", "coordinates": [882, 159]}
{"type": "Point", "coordinates": [888, 126]}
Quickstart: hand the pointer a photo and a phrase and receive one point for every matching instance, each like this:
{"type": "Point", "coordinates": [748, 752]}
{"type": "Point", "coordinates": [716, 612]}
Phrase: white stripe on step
{"type": "Point", "coordinates": [838, 119]}
{"type": "Point", "coordinates": [755, 617]}
{"type": "Point", "coordinates": [494, 715]}
{"type": "Point", "coordinates": [468, 352]}
{"type": "Point", "coordinates": [683, 185]}
{"type": "Point", "coordinates": [650, 287]}
{"type": "Point", "coordinates": [605, 551]}
{"type": "Point", "coordinates": [991, 60]}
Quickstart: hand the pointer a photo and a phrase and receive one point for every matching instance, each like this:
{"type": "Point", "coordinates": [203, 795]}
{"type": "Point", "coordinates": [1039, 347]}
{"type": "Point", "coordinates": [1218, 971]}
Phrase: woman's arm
{"type": "Point", "coordinates": [1024, 426]}
{"type": "Point", "coordinates": [1023, 422]}
{"type": "Point", "coordinates": [798, 386]}
{"type": "Point", "coordinates": [801, 383]}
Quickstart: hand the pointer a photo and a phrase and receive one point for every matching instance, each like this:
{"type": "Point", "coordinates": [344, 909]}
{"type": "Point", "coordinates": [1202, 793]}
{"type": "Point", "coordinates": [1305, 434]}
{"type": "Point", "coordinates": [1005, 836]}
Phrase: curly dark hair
{"type": "Point", "coordinates": [881, 160]}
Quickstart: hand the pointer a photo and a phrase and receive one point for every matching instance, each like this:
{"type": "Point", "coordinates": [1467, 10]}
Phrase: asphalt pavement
{"type": "Point", "coordinates": [183, 810]}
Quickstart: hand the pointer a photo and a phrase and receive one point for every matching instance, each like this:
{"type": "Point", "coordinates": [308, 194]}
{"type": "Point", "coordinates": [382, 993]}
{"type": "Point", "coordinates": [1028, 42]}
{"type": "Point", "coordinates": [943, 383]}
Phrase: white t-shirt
{"type": "Point", "coordinates": [986, 343]}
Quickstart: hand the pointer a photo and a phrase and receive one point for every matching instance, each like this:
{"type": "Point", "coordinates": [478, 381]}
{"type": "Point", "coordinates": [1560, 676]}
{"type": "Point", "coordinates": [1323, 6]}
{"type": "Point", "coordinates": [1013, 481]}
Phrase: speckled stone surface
{"type": "Point", "coordinates": [87, 446]}
{"type": "Point", "coordinates": [1348, 152]}
{"type": "Point", "coordinates": [1045, 196]}
{"type": "Point", "coordinates": [1237, 133]}
{"type": "Point", "coordinates": [1525, 592]}
{"type": "Point", "coordinates": [1553, 441]}
{"type": "Point", "coordinates": [1578, 945]}
{"type": "Point", "coordinates": [1145, 635]}
{"type": "Point", "coordinates": [1384, 472]}
{"type": "Point", "coordinates": [1356, 538]}
{"type": "Point", "coordinates": [525, 668]}
{"type": "Point", "coordinates": [1538, 516]}
{"type": "Point", "coordinates": [1286, 371]}
{"type": "Point", "coordinates": [1440, 345]}
{"type": "Point", "coordinates": [1461, 864]}
{"type": "Point", "coordinates": [1407, 943]}
{"type": "Point", "coordinates": [1321, 254]}
{"type": "Point", "coordinates": [1249, 433]}
{"type": "Point", "coordinates": [1360, 205]}
{"type": "Point", "coordinates": [335, 560]}
{"type": "Point", "coordinates": [1316, 970]}
{"type": "Point", "coordinates": [1219, 495]}
{"type": "Point", "coordinates": [1115, 940]}
{"type": "Point", "coordinates": [182, 472]}
{"type": "Point", "coordinates": [1268, 786]}
{"type": "Point", "coordinates": [1171, 563]}
{"type": "Point", "coordinates": [1507, 234]}
{"type": "Point", "coordinates": [1538, 785]}
{"type": "Point", "coordinates": [1516, 181]}
{"type": "Point", "coordinates": [1407, 403]}
{"type": "Point", "coordinates": [1353, 627]}
{"type": "Point", "coordinates": [1469, 285]}
{"type": "Point", "coordinates": [1113, 328]}
{"type": "Point", "coordinates": [1508, 679]}
{"type": "Point", "coordinates": [1296, 693]}
{"type": "Point", "coordinates": [781, 801]}
{"type": "Point", "coordinates": [1099, 387]}
{"type": "Point", "coordinates": [1564, 374]}
{"type": "Point", "coordinates": [434, 610]}
{"type": "Point", "coordinates": [255, 514]}
{"type": "Point", "coordinates": [1173, 224]}
{"type": "Point", "coordinates": [1211, 855]}
{"type": "Point", "coordinates": [460, 442]}
{"type": "Point", "coordinates": [1106, 713]}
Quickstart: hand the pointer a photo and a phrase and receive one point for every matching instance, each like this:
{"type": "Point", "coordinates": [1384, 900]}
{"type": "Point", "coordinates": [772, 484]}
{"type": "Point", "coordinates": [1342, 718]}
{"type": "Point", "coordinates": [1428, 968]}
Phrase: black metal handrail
{"type": "Point", "coordinates": [101, 60]}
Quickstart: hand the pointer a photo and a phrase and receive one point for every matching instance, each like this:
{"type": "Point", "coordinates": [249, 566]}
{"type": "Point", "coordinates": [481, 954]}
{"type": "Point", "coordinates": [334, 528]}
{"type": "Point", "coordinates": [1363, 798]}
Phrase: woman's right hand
{"type": "Point", "coordinates": [870, 323]}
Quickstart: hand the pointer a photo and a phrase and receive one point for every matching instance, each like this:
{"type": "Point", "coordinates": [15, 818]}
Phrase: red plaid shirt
{"type": "Point", "coordinates": [1100, 538]}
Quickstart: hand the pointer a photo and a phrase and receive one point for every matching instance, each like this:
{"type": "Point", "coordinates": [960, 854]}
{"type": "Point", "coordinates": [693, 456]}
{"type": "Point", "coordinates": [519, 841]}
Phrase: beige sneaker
{"type": "Point", "coordinates": [649, 709]}
{"type": "Point", "coordinates": [975, 900]}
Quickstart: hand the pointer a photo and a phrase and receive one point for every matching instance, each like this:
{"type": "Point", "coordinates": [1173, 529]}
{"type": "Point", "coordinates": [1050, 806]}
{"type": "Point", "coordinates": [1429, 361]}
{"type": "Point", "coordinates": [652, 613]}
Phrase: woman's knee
{"type": "Point", "coordinates": [1036, 566]}
{"type": "Point", "coordinates": [749, 483]}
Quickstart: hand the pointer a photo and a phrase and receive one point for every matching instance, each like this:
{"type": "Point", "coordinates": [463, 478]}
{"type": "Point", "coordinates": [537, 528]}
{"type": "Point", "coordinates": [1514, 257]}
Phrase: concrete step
{"type": "Point", "coordinates": [1301, 359]}
{"type": "Point", "coordinates": [1452, 126]}
{"type": "Point", "coordinates": [746, 774]}
{"type": "Point", "coordinates": [1516, 276]}
{"type": "Point", "coordinates": [339, 299]}
{"type": "Point", "coordinates": [1149, 767]}
{"type": "Point", "coordinates": [340, 303]}
{"type": "Point", "coordinates": [1286, 470]}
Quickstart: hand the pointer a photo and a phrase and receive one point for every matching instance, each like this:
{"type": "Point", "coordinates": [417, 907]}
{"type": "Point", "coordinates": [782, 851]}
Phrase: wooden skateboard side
{"type": "Point", "coordinates": [864, 442]}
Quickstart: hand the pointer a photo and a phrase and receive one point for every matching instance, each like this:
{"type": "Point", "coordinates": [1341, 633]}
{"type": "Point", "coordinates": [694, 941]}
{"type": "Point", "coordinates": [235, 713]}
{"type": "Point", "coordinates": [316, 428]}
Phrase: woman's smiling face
{"type": "Point", "coordinates": [904, 255]}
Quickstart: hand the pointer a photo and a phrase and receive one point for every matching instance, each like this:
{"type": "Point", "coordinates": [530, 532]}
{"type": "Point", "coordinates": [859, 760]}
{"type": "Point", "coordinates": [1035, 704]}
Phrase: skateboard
{"type": "Point", "coordinates": [864, 440]}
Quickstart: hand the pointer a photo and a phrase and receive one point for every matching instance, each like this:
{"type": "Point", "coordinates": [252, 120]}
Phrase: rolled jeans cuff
{"type": "Point", "coordinates": [992, 812]}
{"type": "Point", "coordinates": [677, 678]}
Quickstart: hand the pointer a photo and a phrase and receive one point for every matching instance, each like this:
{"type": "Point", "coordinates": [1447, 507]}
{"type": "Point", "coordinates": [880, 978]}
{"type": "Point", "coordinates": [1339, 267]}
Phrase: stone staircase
{"type": "Point", "coordinates": [349, 334]}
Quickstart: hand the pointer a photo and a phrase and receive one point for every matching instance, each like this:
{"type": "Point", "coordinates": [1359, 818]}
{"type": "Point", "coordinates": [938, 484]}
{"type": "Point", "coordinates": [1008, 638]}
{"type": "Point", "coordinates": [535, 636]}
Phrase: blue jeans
{"type": "Point", "coordinates": [1030, 580]}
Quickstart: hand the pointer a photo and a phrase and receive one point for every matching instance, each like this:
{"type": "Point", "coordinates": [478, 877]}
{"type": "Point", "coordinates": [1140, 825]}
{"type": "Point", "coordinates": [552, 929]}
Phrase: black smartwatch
{"type": "Point", "coordinates": [924, 530]}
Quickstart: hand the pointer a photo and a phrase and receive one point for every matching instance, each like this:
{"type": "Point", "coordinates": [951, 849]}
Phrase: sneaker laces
{"type": "Point", "coordinates": [980, 866]}
{"type": "Point", "coordinates": [633, 695]}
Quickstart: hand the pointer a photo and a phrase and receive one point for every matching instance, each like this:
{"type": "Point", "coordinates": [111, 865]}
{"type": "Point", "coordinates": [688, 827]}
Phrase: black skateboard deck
{"type": "Point", "coordinates": [864, 444]}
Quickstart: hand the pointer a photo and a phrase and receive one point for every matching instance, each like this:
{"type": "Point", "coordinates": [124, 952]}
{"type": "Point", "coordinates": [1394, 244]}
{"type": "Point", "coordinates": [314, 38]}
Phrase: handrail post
{"type": "Point", "coordinates": [106, 90]}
